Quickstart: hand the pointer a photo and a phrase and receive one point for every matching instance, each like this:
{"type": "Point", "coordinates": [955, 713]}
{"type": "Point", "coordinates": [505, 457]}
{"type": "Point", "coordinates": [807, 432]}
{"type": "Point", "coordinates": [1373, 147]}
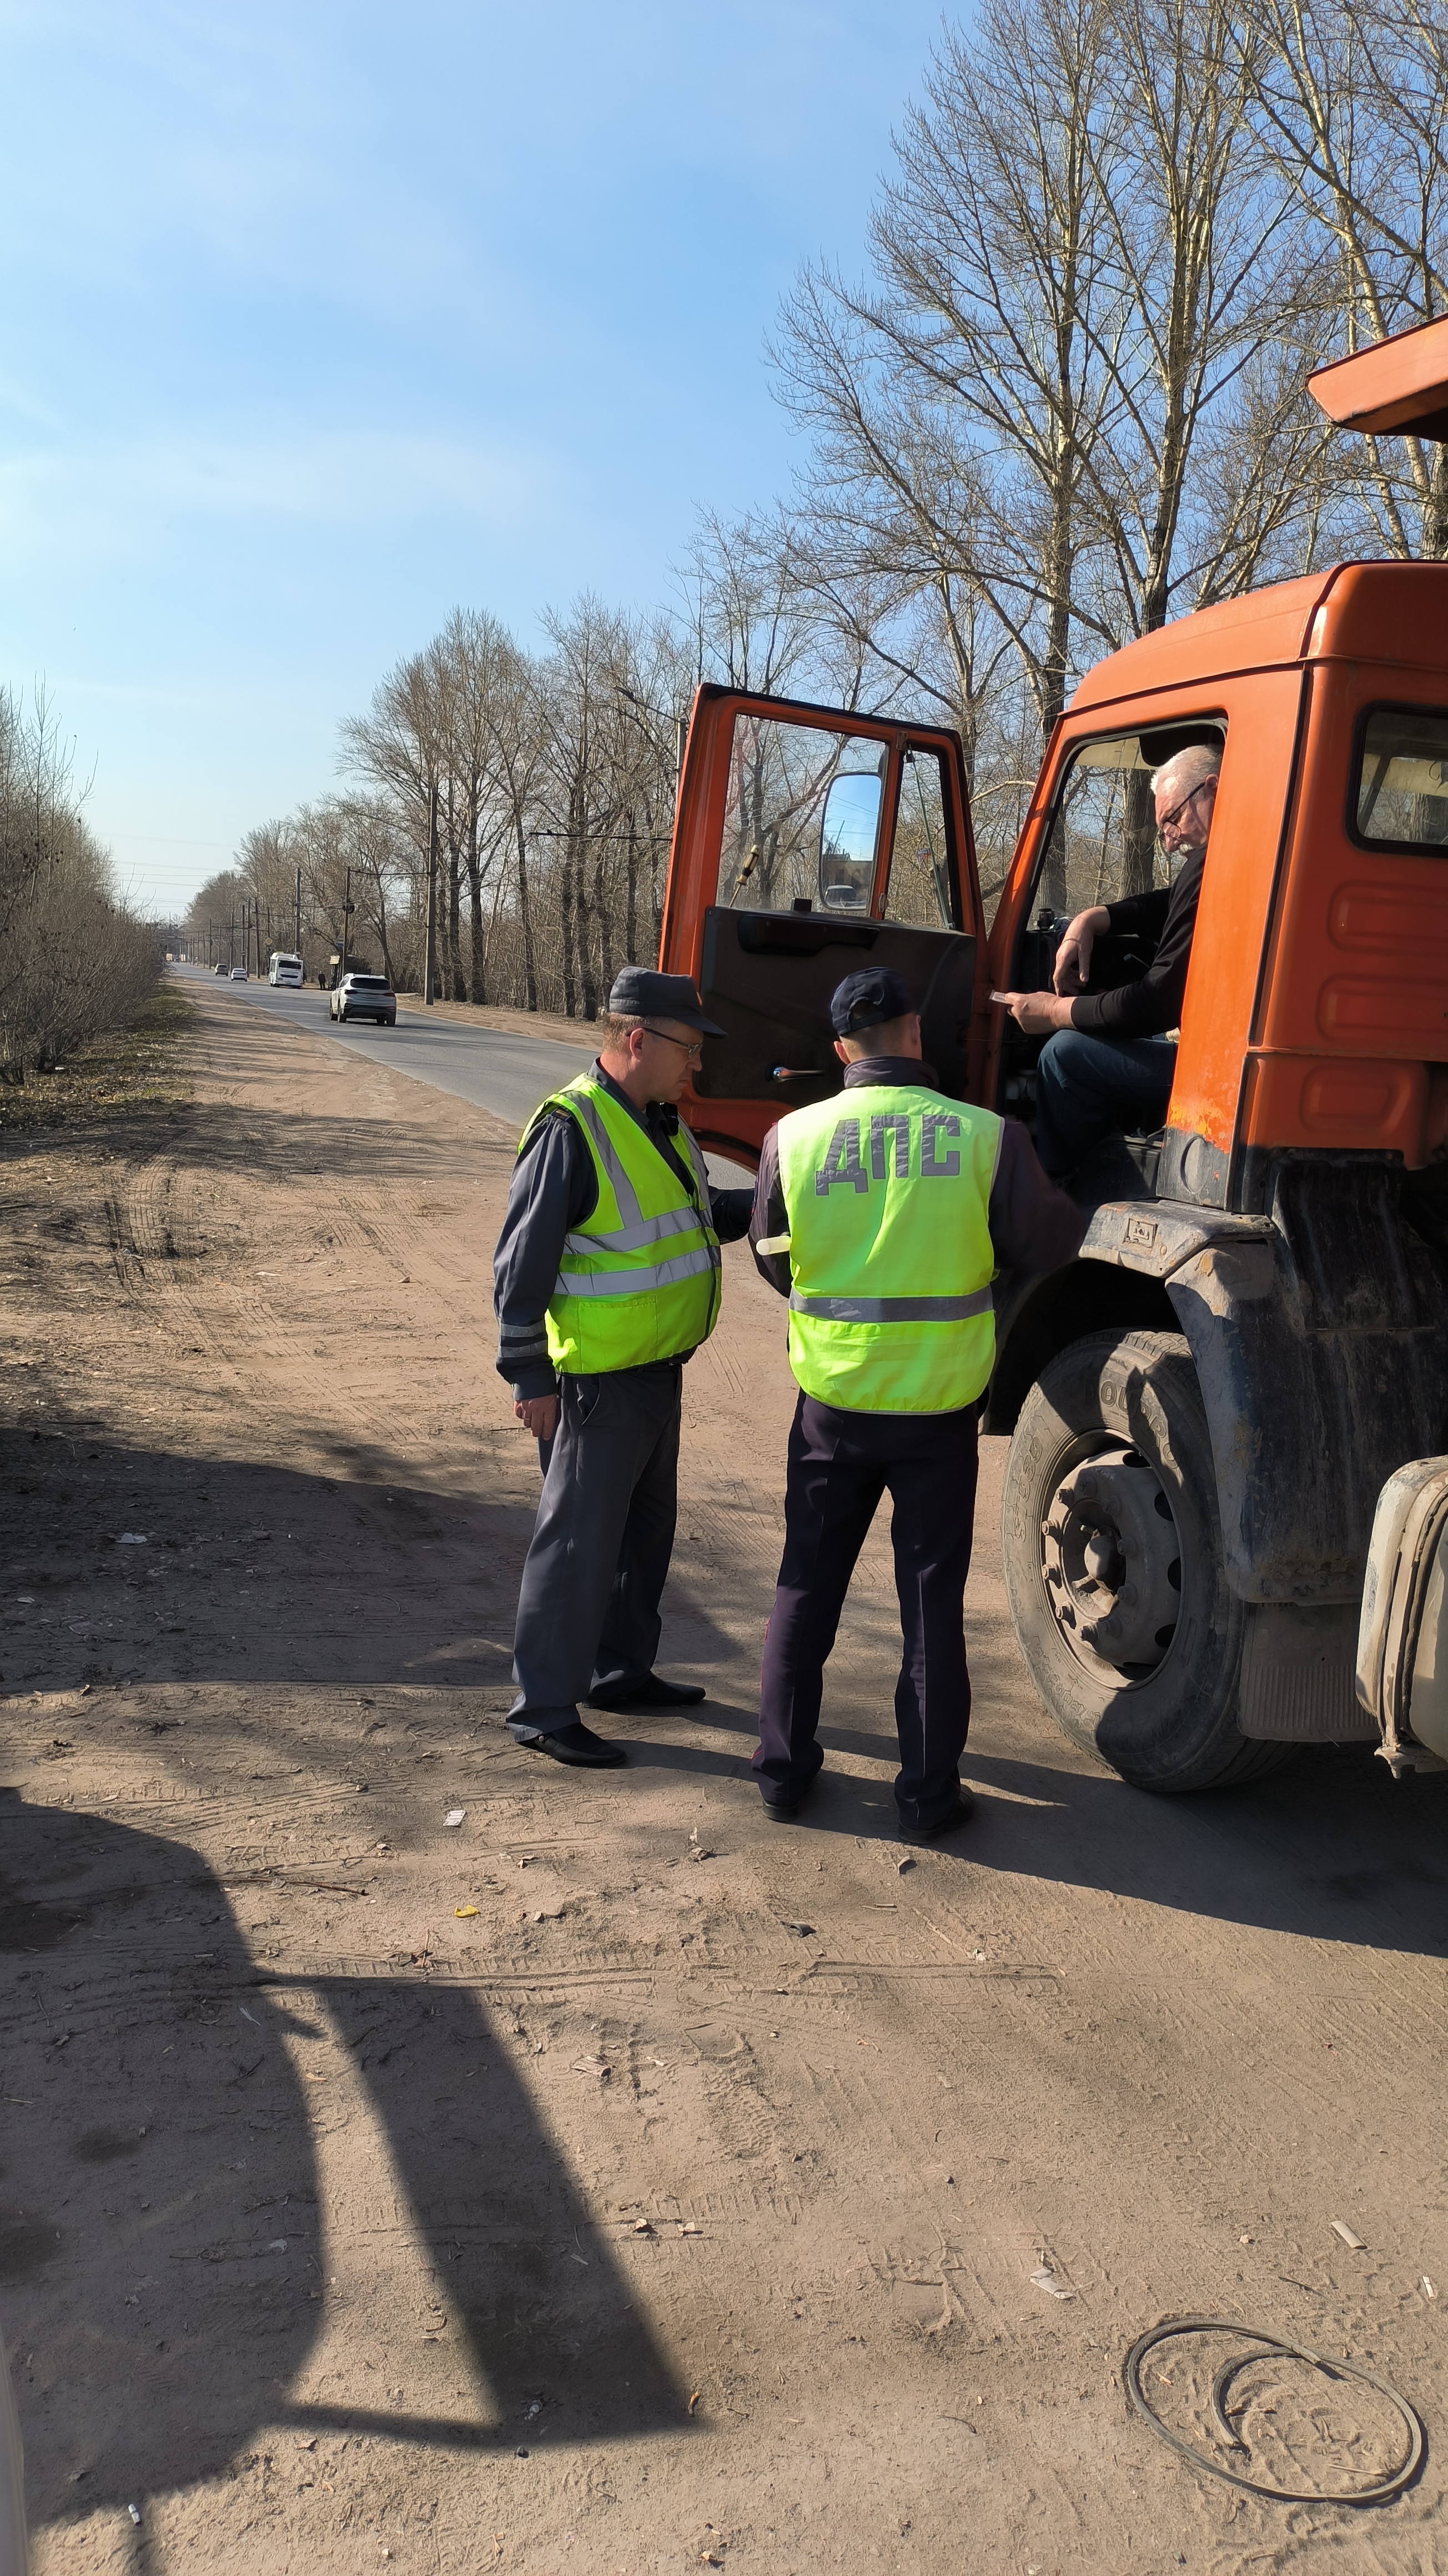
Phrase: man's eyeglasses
{"type": "Point", "coordinates": [691, 1046]}
{"type": "Point", "coordinates": [1177, 811]}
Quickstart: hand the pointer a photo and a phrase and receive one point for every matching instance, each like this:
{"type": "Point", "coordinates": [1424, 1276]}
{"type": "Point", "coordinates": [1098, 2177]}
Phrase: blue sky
{"type": "Point", "coordinates": [321, 320]}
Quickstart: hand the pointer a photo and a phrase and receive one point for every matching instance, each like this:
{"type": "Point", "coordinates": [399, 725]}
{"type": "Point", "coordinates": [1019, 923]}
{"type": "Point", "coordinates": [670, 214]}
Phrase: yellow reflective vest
{"type": "Point", "coordinates": [641, 1280]}
{"type": "Point", "coordinates": [887, 1189]}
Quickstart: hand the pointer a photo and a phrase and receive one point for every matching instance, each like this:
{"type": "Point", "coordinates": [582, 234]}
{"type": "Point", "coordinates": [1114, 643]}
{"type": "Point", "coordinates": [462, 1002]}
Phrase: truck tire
{"type": "Point", "coordinates": [1113, 1564]}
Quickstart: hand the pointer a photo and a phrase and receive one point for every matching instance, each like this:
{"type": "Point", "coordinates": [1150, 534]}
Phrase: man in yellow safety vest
{"type": "Point", "coordinates": [883, 1214]}
{"type": "Point", "coordinates": [606, 1280]}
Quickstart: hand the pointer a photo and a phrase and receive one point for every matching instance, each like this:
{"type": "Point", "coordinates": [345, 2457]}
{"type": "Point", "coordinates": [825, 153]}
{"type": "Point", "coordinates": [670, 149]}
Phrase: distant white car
{"type": "Point", "coordinates": [365, 997]}
{"type": "Point", "coordinates": [239, 975]}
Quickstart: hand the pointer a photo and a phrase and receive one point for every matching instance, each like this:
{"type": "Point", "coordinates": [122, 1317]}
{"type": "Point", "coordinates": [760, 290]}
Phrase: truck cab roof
{"type": "Point", "coordinates": [1383, 613]}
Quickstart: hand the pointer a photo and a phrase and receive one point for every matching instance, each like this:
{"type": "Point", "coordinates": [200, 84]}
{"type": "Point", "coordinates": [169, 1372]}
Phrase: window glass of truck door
{"type": "Point", "coordinates": [1400, 799]}
{"type": "Point", "coordinates": [918, 890]}
{"type": "Point", "coordinates": [801, 820]}
{"type": "Point", "coordinates": [1102, 844]}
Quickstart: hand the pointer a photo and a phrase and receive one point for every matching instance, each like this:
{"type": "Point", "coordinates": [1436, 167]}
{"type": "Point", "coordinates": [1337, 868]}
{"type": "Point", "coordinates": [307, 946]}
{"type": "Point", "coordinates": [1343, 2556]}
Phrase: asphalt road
{"type": "Point", "coordinates": [493, 1069]}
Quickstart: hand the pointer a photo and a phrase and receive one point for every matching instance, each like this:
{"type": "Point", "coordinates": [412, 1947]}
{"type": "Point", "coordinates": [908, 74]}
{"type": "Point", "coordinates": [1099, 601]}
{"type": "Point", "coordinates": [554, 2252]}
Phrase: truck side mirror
{"type": "Point", "coordinates": [849, 828]}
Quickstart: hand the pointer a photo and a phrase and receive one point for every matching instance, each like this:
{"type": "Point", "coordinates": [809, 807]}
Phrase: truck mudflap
{"type": "Point", "coordinates": [1402, 1653]}
{"type": "Point", "coordinates": [1319, 1332]}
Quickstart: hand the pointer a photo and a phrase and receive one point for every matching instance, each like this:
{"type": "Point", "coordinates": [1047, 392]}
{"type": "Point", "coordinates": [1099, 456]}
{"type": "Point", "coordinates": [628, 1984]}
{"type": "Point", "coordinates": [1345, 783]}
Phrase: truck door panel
{"type": "Point", "coordinates": [809, 842]}
{"type": "Point", "coordinates": [767, 979]}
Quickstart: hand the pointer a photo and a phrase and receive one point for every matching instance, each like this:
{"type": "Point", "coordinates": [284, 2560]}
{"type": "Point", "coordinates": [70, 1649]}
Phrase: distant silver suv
{"type": "Point", "coordinates": [365, 997]}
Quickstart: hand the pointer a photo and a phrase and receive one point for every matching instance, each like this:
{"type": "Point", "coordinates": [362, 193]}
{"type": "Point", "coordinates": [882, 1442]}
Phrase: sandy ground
{"type": "Point", "coordinates": [608, 2179]}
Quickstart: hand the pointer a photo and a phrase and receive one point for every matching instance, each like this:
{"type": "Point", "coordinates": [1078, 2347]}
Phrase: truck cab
{"type": "Point", "coordinates": [1205, 1405]}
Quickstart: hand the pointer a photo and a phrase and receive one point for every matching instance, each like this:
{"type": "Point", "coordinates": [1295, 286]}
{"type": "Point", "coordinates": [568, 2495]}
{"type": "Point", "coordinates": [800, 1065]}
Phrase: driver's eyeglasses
{"type": "Point", "coordinates": [1190, 798]}
{"type": "Point", "coordinates": [692, 1049]}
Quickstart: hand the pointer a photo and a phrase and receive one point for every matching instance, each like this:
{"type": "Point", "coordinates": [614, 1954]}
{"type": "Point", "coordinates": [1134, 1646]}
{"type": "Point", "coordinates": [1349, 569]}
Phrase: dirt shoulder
{"type": "Point", "coordinates": [122, 1079]}
{"type": "Point", "coordinates": [414, 2150]}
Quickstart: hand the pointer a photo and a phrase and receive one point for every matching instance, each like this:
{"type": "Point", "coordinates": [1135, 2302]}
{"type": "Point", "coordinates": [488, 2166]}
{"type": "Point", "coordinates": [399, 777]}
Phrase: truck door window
{"type": "Point", "coordinates": [1401, 794]}
{"type": "Point", "coordinates": [918, 890]}
{"type": "Point", "coordinates": [802, 818]}
{"type": "Point", "coordinates": [1102, 841]}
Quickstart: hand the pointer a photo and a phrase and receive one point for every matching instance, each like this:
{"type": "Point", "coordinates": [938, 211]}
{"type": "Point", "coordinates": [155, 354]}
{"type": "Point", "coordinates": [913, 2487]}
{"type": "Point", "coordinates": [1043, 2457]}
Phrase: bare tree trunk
{"type": "Point", "coordinates": [587, 980]}
{"type": "Point", "coordinates": [455, 925]}
{"type": "Point", "coordinates": [525, 916]}
{"type": "Point", "coordinates": [478, 973]}
{"type": "Point", "coordinates": [1140, 834]}
{"type": "Point", "coordinates": [566, 936]}
{"type": "Point", "coordinates": [604, 917]}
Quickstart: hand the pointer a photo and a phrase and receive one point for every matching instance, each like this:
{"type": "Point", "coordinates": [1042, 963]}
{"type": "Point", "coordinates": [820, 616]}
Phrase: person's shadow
{"type": "Point", "coordinates": [161, 2284]}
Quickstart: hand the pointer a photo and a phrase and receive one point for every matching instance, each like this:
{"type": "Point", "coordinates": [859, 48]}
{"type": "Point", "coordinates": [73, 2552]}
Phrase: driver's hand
{"type": "Point", "coordinates": [538, 1414]}
{"type": "Point", "coordinates": [1036, 1013]}
{"type": "Point", "coordinates": [1073, 957]}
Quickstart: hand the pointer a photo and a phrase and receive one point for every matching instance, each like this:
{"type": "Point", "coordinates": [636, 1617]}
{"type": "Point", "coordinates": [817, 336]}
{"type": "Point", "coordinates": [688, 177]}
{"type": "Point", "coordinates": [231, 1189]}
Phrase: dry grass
{"type": "Point", "coordinates": [110, 1078]}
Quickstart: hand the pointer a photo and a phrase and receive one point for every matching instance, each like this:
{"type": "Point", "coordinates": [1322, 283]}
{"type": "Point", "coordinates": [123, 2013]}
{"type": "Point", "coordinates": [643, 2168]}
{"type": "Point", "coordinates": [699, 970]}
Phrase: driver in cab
{"type": "Point", "coordinates": [1110, 1058]}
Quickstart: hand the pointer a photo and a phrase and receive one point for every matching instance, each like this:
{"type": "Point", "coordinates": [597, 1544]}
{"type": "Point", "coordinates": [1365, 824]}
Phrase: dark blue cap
{"type": "Point", "coordinates": [866, 1000]}
{"type": "Point", "coordinates": [642, 993]}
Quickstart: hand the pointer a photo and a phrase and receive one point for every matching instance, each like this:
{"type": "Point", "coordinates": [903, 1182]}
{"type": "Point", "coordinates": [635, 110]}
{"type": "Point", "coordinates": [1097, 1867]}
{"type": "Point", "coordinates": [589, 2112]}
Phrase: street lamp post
{"type": "Point", "coordinates": [430, 946]}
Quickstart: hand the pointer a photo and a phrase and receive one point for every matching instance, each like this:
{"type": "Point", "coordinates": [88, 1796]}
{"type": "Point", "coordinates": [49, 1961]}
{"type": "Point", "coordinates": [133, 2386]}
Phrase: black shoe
{"type": "Point", "coordinates": [958, 1812]}
{"type": "Point", "coordinates": [576, 1744]}
{"type": "Point", "coordinates": [652, 1692]}
{"type": "Point", "coordinates": [782, 1811]}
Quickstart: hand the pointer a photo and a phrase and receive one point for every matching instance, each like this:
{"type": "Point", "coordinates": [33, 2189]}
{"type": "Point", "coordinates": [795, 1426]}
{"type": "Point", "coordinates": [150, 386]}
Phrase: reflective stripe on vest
{"type": "Point", "coordinates": [887, 1189]}
{"type": "Point", "coordinates": [612, 1306]}
{"type": "Point", "coordinates": [894, 1310]}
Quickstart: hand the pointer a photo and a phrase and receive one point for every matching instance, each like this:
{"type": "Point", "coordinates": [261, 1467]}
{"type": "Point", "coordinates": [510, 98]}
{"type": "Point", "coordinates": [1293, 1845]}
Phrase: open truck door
{"type": "Point", "coordinates": [809, 843]}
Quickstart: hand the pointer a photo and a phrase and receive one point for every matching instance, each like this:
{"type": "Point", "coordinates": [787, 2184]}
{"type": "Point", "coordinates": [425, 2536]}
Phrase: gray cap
{"type": "Point", "coordinates": [641, 993]}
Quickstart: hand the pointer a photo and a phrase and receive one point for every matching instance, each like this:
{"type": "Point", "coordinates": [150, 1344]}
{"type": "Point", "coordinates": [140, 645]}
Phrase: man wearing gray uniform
{"type": "Point", "coordinates": [606, 1280]}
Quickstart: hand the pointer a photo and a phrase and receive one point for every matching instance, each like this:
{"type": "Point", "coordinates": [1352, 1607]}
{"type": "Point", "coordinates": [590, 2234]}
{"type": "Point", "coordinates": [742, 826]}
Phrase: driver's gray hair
{"type": "Point", "coordinates": [1188, 769]}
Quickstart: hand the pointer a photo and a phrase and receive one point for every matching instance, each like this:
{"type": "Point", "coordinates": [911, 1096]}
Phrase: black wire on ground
{"type": "Point", "coordinates": [1392, 2483]}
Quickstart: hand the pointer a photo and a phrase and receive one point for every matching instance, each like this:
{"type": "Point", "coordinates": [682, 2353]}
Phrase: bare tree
{"type": "Point", "coordinates": [955, 398]}
{"type": "Point", "coordinates": [1354, 101]}
{"type": "Point", "coordinates": [74, 959]}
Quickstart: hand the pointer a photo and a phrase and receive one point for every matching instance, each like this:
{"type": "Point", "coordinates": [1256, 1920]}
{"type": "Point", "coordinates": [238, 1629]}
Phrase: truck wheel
{"type": "Point", "coordinates": [1113, 1566]}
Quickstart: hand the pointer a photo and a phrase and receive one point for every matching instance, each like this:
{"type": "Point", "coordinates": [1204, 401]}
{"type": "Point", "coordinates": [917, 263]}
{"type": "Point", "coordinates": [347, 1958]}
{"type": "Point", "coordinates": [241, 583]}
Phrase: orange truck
{"type": "Point", "coordinates": [1205, 1405]}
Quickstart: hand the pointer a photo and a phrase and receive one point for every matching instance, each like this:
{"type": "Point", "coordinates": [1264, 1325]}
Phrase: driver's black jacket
{"type": "Point", "coordinates": [1153, 1004]}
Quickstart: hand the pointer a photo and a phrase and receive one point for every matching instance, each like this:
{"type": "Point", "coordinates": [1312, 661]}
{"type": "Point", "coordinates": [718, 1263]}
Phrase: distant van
{"type": "Point", "coordinates": [285, 967]}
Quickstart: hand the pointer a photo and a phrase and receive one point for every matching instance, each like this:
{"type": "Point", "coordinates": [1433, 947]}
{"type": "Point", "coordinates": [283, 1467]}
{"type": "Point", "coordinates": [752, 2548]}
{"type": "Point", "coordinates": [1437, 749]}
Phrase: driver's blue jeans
{"type": "Point", "coordinates": [1089, 1087]}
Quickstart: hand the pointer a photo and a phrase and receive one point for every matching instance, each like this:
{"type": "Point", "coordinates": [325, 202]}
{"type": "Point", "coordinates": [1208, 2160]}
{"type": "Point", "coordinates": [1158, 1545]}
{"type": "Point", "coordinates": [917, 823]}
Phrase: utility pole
{"type": "Point", "coordinates": [430, 951]}
{"type": "Point", "coordinates": [347, 925]}
{"type": "Point", "coordinates": [299, 912]}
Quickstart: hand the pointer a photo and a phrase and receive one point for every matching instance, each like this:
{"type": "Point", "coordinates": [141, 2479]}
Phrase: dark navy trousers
{"type": "Point", "coordinates": [588, 1607]}
{"type": "Point", "coordinates": [1090, 1087]}
{"type": "Point", "coordinates": [840, 1465]}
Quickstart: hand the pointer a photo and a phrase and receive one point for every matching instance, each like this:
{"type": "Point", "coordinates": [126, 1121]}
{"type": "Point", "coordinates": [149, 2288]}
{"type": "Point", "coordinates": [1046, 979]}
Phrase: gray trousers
{"type": "Point", "coordinates": [588, 1607]}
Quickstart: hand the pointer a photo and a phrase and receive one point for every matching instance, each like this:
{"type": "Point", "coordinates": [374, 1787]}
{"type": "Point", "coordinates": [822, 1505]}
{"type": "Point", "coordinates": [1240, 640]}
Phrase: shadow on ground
{"type": "Point", "coordinates": [160, 2237]}
{"type": "Point", "coordinates": [1330, 1848]}
{"type": "Point", "coordinates": [259, 1574]}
